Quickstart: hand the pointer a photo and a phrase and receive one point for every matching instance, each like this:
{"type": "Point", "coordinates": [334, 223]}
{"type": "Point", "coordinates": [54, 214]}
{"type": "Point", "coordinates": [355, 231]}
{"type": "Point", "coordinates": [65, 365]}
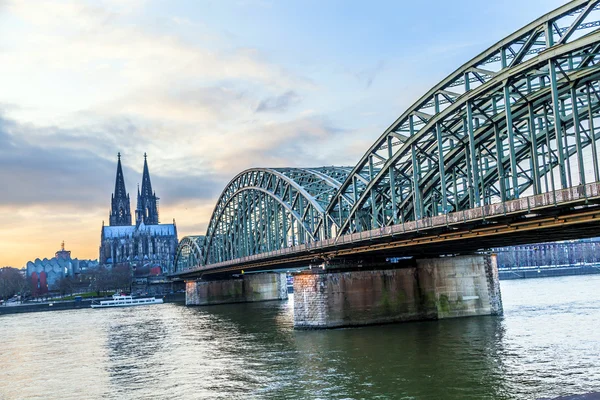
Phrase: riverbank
{"type": "Point", "coordinates": [71, 305]}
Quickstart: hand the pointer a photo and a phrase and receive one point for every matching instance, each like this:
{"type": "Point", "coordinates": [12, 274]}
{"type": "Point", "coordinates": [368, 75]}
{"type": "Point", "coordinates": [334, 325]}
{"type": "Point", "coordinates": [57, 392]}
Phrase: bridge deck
{"type": "Point", "coordinates": [560, 215]}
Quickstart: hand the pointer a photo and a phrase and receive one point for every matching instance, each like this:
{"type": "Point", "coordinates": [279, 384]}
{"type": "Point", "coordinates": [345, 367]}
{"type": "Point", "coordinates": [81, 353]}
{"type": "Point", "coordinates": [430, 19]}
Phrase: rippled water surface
{"type": "Point", "coordinates": [547, 344]}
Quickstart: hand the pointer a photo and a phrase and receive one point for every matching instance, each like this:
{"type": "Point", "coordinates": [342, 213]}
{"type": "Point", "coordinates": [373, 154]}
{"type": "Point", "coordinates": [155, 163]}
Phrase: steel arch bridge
{"type": "Point", "coordinates": [266, 209]}
{"type": "Point", "coordinates": [190, 252]}
{"type": "Point", "coordinates": [519, 119]}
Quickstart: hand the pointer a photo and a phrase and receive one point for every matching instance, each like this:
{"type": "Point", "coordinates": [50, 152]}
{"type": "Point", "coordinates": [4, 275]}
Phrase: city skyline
{"type": "Point", "coordinates": [207, 91]}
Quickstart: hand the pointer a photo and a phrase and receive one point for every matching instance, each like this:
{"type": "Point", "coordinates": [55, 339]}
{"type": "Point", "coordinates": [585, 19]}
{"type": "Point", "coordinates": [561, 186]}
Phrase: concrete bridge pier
{"type": "Point", "coordinates": [423, 289]}
{"type": "Point", "coordinates": [240, 289]}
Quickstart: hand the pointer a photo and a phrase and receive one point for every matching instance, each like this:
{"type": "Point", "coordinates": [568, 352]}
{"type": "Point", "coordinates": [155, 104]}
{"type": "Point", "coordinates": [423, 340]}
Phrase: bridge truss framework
{"type": "Point", "coordinates": [520, 119]}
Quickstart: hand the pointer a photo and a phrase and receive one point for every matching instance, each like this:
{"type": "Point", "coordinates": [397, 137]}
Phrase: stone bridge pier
{"type": "Point", "coordinates": [240, 289]}
{"type": "Point", "coordinates": [333, 296]}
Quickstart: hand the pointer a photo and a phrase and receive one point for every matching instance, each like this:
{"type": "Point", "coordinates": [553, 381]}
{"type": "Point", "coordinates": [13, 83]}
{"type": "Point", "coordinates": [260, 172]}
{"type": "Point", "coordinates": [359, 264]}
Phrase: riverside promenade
{"type": "Point", "coordinates": [70, 304]}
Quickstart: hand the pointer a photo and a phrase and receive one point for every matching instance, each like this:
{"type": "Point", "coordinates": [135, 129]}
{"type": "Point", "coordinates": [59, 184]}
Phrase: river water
{"type": "Point", "coordinates": [547, 344]}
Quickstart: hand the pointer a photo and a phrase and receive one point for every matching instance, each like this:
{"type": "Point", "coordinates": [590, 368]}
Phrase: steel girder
{"type": "Point", "coordinates": [521, 118]}
{"type": "Point", "coordinates": [489, 131]}
{"type": "Point", "coordinates": [265, 209]}
{"type": "Point", "coordinates": [190, 253]}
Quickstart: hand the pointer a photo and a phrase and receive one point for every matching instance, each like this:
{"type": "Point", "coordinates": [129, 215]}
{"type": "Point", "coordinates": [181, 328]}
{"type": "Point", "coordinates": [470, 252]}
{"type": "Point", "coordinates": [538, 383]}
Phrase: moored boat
{"type": "Point", "coordinates": [125, 301]}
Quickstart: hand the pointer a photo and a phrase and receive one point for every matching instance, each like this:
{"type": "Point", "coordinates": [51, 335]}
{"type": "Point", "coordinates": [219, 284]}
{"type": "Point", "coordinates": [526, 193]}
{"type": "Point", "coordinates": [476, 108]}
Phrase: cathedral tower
{"type": "Point", "coordinates": [147, 202]}
{"type": "Point", "coordinates": [147, 247]}
{"type": "Point", "coordinates": [120, 211]}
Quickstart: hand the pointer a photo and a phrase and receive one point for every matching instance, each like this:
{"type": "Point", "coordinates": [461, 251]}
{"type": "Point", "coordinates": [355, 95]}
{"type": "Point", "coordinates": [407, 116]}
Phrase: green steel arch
{"type": "Point", "coordinates": [190, 253]}
{"type": "Point", "coordinates": [265, 209]}
{"type": "Point", "coordinates": [520, 118]}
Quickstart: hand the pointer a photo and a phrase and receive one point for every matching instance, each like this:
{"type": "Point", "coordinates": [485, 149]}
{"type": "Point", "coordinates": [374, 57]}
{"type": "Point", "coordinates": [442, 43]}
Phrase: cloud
{"type": "Point", "coordinates": [188, 104]}
{"type": "Point", "coordinates": [93, 57]}
{"type": "Point", "coordinates": [82, 81]}
{"type": "Point", "coordinates": [188, 188]}
{"type": "Point", "coordinates": [279, 103]}
{"type": "Point", "coordinates": [45, 173]}
{"type": "Point", "coordinates": [368, 75]}
{"type": "Point", "coordinates": [56, 184]}
{"type": "Point", "coordinates": [58, 167]}
{"type": "Point", "coordinates": [304, 141]}
{"type": "Point", "coordinates": [69, 168]}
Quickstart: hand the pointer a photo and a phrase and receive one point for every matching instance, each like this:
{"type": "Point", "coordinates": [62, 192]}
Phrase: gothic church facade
{"type": "Point", "coordinates": [147, 246]}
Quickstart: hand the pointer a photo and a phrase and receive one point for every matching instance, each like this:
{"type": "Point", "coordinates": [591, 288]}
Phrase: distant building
{"type": "Point", "coordinates": [148, 247]}
{"type": "Point", "coordinates": [43, 274]}
{"type": "Point", "coordinates": [567, 252]}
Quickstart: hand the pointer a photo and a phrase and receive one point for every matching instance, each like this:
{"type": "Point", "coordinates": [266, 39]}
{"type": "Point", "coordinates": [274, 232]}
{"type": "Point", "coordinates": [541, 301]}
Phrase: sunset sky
{"type": "Point", "coordinates": [207, 89]}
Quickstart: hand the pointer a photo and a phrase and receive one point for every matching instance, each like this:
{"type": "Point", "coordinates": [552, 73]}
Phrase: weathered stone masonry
{"type": "Point", "coordinates": [248, 288]}
{"type": "Point", "coordinates": [433, 289]}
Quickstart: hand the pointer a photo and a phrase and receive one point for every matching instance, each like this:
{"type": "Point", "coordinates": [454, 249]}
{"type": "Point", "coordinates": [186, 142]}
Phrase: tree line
{"type": "Point", "coordinates": [99, 280]}
{"type": "Point", "coordinates": [12, 282]}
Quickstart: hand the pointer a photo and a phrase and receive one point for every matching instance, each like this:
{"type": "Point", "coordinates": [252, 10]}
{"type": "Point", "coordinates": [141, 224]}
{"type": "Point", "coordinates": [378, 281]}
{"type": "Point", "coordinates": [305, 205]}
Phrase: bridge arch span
{"type": "Point", "coordinates": [265, 209]}
{"type": "Point", "coordinates": [189, 253]}
{"type": "Point", "coordinates": [518, 118]}
{"type": "Point", "coordinates": [522, 118]}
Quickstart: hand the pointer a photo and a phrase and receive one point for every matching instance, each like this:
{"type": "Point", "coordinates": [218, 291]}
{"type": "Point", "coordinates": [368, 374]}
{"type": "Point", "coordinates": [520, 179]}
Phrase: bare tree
{"type": "Point", "coordinates": [121, 278]}
{"type": "Point", "coordinates": [65, 285]}
{"type": "Point", "coordinates": [11, 282]}
{"type": "Point", "coordinates": [101, 280]}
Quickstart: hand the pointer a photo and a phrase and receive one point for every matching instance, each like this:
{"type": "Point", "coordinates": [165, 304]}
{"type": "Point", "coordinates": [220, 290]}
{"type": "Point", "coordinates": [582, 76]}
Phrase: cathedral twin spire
{"type": "Point", "coordinates": [147, 202]}
{"type": "Point", "coordinates": [120, 213]}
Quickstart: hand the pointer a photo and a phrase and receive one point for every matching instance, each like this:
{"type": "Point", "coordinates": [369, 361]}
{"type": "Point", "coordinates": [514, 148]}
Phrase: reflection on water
{"type": "Point", "coordinates": [135, 346]}
{"type": "Point", "coordinates": [546, 345]}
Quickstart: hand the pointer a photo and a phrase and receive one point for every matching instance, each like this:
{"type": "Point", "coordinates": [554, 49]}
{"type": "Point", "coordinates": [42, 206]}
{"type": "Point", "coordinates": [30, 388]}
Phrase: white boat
{"type": "Point", "coordinates": [125, 301]}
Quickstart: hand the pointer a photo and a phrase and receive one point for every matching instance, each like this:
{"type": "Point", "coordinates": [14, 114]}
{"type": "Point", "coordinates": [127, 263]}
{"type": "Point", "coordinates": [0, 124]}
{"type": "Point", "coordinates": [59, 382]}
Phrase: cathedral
{"type": "Point", "coordinates": [148, 247]}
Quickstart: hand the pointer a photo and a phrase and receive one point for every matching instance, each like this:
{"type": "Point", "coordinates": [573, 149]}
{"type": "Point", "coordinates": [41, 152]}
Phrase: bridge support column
{"type": "Point", "coordinates": [247, 288]}
{"type": "Point", "coordinates": [435, 288]}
